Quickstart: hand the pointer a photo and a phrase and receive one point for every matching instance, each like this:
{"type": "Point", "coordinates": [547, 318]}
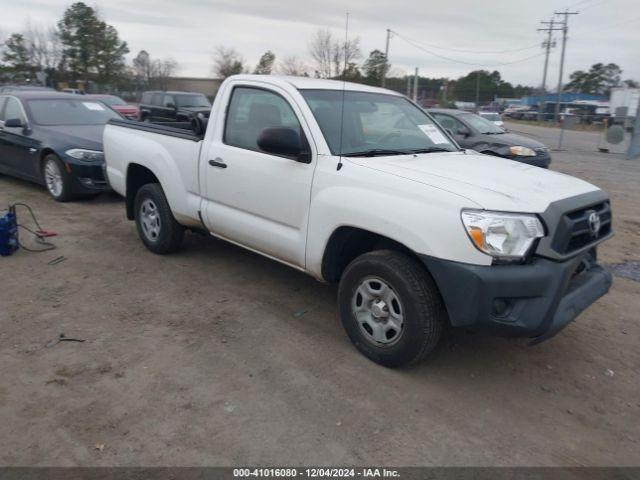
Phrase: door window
{"type": "Point", "coordinates": [251, 110]}
{"type": "Point", "coordinates": [13, 110]}
{"type": "Point", "coordinates": [168, 101]}
{"type": "Point", "coordinates": [156, 99]}
{"type": "Point", "coordinates": [449, 123]}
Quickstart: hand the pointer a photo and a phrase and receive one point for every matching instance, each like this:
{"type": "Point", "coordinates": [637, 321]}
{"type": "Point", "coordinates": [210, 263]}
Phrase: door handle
{"type": "Point", "coordinates": [217, 163]}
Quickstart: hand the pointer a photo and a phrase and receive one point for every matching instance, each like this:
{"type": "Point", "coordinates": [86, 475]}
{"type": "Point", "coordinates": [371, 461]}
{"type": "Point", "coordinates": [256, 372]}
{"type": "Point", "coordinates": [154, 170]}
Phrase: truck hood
{"type": "Point", "coordinates": [493, 183]}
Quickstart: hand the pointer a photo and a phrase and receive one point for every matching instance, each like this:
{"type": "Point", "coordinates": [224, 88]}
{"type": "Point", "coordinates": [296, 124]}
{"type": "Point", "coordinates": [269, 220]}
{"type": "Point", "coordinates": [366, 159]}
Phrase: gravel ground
{"type": "Point", "coordinates": [217, 356]}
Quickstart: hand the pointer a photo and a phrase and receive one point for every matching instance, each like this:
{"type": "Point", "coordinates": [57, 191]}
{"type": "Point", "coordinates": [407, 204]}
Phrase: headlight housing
{"type": "Point", "coordinates": [504, 236]}
{"type": "Point", "coordinates": [85, 155]}
{"type": "Point", "coordinates": [519, 151]}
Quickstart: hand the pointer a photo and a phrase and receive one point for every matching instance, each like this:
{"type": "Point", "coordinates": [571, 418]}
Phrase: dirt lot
{"type": "Point", "coordinates": [217, 356]}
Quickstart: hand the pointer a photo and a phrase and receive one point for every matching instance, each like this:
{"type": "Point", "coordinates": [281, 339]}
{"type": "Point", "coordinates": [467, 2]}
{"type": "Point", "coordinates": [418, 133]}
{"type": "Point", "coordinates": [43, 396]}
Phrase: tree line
{"type": "Point", "coordinates": [82, 47]}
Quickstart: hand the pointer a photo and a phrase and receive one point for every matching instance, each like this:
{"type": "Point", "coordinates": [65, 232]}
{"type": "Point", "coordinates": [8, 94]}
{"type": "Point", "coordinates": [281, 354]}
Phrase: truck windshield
{"type": "Point", "coordinates": [70, 112]}
{"type": "Point", "coordinates": [374, 124]}
{"type": "Point", "coordinates": [192, 101]}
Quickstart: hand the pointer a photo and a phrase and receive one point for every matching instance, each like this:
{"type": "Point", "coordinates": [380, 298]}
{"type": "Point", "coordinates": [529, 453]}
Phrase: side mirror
{"type": "Point", "coordinates": [13, 123]}
{"type": "Point", "coordinates": [281, 141]}
{"type": "Point", "coordinates": [171, 105]}
{"type": "Point", "coordinates": [463, 132]}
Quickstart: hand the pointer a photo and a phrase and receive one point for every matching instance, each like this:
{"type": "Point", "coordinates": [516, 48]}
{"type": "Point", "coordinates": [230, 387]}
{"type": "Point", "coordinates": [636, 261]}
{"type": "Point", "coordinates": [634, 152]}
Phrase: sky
{"type": "Point", "coordinates": [425, 31]}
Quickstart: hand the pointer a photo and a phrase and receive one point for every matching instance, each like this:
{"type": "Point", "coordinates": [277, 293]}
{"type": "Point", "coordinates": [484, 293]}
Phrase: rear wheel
{"type": "Point", "coordinates": [56, 179]}
{"type": "Point", "coordinates": [391, 308]}
{"type": "Point", "coordinates": [157, 228]}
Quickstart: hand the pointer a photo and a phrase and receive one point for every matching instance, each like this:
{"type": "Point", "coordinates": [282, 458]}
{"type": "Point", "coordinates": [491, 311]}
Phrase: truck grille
{"type": "Point", "coordinates": [576, 230]}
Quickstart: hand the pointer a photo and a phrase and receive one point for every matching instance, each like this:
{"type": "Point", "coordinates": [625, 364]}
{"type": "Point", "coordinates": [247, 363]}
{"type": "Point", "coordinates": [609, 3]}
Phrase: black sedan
{"type": "Point", "coordinates": [54, 139]}
{"type": "Point", "coordinates": [476, 133]}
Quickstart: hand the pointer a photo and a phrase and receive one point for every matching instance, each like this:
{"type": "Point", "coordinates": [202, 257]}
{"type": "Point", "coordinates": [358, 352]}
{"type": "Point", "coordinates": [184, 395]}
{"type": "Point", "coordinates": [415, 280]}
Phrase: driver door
{"type": "Point", "coordinates": [256, 199]}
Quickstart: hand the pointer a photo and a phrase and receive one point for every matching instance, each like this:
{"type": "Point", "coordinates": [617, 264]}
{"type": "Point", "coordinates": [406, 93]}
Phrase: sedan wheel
{"type": "Point", "coordinates": [55, 179]}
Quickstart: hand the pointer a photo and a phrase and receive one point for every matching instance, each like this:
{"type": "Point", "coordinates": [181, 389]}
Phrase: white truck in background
{"type": "Point", "coordinates": [624, 97]}
{"type": "Point", "coordinates": [358, 185]}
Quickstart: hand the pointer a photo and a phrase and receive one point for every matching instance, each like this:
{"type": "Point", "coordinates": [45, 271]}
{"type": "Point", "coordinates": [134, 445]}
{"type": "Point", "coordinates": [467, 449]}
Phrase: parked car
{"type": "Point", "coordinates": [119, 105]}
{"type": "Point", "coordinates": [479, 134]}
{"type": "Point", "coordinates": [74, 91]}
{"type": "Point", "coordinates": [493, 117]}
{"type": "Point", "coordinates": [54, 139]}
{"type": "Point", "coordinates": [173, 106]}
{"type": "Point", "coordinates": [24, 88]}
{"type": "Point", "coordinates": [358, 185]}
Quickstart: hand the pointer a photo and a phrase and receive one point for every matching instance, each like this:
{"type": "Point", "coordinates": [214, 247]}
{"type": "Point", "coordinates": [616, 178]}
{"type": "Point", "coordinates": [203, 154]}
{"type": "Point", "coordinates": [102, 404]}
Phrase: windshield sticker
{"type": "Point", "coordinates": [93, 106]}
{"type": "Point", "coordinates": [433, 133]}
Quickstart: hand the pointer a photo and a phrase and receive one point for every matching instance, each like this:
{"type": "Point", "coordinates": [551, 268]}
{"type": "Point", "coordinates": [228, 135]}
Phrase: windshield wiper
{"type": "Point", "coordinates": [431, 150]}
{"type": "Point", "coordinates": [493, 133]}
{"type": "Point", "coordinates": [376, 152]}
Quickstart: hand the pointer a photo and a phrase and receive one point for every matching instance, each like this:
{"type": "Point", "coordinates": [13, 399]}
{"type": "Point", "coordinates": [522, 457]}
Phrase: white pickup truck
{"type": "Point", "coordinates": [358, 185]}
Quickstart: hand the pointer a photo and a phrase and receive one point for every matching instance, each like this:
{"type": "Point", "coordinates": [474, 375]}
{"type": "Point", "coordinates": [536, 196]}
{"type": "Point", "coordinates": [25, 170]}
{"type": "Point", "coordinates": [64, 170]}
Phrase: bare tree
{"type": "Point", "coordinates": [321, 50]}
{"type": "Point", "coordinates": [329, 53]}
{"type": "Point", "coordinates": [345, 53]}
{"type": "Point", "coordinates": [143, 67]}
{"type": "Point", "coordinates": [45, 47]}
{"type": "Point", "coordinates": [162, 70]}
{"type": "Point", "coordinates": [227, 62]}
{"type": "Point", "coordinates": [293, 66]}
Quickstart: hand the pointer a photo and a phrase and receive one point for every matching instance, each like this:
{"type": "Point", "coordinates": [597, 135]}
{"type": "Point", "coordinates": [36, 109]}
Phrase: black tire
{"type": "Point", "coordinates": [169, 233]}
{"type": "Point", "coordinates": [64, 193]}
{"type": "Point", "coordinates": [424, 314]}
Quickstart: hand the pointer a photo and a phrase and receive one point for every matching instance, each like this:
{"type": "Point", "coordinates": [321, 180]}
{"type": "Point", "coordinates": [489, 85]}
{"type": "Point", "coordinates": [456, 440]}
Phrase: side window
{"type": "Point", "coordinates": [13, 110]}
{"type": "Point", "coordinates": [156, 99]}
{"type": "Point", "coordinates": [251, 110]}
{"type": "Point", "coordinates": [3, 100]}
{"type": "Point", "coordinates": [447, 122]}
{"type": "Point", "coordinates": [146, 98]}
{"type": "Point", "coordinates": [168, 101]}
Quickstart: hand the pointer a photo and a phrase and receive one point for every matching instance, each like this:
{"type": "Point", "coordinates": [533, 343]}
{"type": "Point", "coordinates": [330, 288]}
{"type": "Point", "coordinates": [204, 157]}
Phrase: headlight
{"type": "Point", "coordinates": [522, 151]}
{"type": "Point", "coordinates": [85, 155]}
{"type": "Point", "coordinates": [507, 236]}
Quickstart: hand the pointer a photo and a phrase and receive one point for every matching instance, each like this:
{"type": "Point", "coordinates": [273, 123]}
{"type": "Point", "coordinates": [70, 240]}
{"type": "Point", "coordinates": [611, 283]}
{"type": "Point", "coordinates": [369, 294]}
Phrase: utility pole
{"type": "Point", "coordinates": [565, 31]}
{"type": "Point", "coordinates": [386, 59]}
{"type": "Point", "coordinates": [415, 86]}
{"type": "Point", "coordinates": [547, 45]}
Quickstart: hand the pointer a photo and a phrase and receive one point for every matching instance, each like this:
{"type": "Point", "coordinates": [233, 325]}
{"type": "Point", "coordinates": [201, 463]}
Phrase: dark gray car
{"type": "Point", "coordinates": [476, 133]}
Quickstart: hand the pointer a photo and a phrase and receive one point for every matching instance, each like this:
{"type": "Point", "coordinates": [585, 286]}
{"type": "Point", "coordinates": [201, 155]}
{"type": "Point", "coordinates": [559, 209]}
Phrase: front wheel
{"type": "Point", "coordinates": [391, 308]}
{"type": "Point", "coordinates": [56, 179]}
{"type": "Point", "coordinates": [157, 228]}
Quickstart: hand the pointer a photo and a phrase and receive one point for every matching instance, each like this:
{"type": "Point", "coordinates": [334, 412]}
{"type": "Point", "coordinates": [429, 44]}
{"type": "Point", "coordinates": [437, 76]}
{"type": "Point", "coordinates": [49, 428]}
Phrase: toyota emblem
{"type": "Point", "coordinates": [594, 224]}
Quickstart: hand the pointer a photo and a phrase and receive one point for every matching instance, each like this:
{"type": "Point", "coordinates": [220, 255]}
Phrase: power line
{"type": "Point", "coordinates": [460, 50]}
{"type": "Point", "coordinates": [497, 64]}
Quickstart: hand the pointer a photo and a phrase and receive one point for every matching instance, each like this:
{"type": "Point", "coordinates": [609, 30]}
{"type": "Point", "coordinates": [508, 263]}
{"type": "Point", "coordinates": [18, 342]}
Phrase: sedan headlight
{"type": "Point", "coordinates": [85, 155]}
{"type": "Point", "coordinates": [506, 236]}
{"type": "Point", "coordinates": [519, 151]}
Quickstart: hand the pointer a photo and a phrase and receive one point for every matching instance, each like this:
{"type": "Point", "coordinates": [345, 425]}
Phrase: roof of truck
{"type": "Point", "coordinates": [308, 83]}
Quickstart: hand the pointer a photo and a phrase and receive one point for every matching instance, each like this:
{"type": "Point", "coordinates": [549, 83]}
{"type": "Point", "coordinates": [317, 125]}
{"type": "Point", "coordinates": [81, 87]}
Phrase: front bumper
{"type": "Point", "coordinates": [87, 177]}
{"type": "Point", "coordinates": [534, 300]}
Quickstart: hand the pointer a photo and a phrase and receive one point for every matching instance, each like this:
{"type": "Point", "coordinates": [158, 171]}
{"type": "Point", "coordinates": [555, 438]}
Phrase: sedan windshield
{"type": "Point", "coordinates": [481, 125]}
{"type": "Point", "coordinates": [190, 101]}
{"type": "Point", "coordinates": [374, 124]}
{"type": "Point", "coordinates": [70, 111]}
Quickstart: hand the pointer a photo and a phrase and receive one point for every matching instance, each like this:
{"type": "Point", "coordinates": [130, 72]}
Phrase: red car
{"type": "Point", "coordinates": [128, 111]}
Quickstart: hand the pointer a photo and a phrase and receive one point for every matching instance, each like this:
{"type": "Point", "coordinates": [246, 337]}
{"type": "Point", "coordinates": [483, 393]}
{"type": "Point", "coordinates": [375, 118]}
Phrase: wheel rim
{"type": "Point", "coordinates": [150, 220]}
{"type": "Point", "coordinates": [378, 311]}
{"type": "Point", "coordinates": [53, 178]}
